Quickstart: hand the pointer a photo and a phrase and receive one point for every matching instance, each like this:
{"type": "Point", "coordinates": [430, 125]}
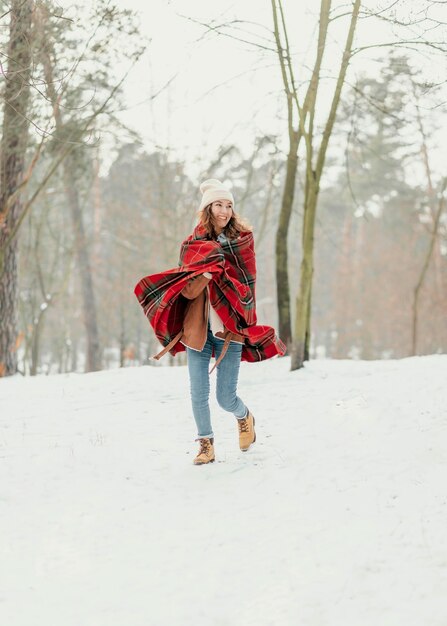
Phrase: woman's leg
{"type": "Point", "coordinates": [199, 380]}
{"type": "Point", "coordinates": [227, 378]}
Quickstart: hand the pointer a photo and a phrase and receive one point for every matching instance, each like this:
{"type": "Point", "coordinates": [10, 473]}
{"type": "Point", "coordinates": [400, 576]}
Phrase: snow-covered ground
{"type": "Point", "coordinates": [337, 515]}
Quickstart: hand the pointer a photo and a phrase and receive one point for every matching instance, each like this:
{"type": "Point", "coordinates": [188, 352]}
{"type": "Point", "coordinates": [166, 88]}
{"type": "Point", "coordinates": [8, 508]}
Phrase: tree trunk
{"type": "Point", "coordinates": [35, 345]}
{"type": "Point", "coordinates": [122, 339]}
{"type": "Point", "coordinates": [74, 354]}
{"type": "Point", "coordinates": [93, 358]}
{"type": "Point", "coordinates": [282, 270]}
{"type": "Point", "coordinates": [300, 345]}
{"type": "Point", "coordinates": [13, 149]}
{"type": "Point", "coordinates": [435, 215]}
{"type": "Point", "coordinates": [308, 325]}
{"type": "Point", "coordinates": [285, 59]}
{"type": "Point", "coordinates": [313, 177]}
{"type": "Point", "coordinates": [420, 282]}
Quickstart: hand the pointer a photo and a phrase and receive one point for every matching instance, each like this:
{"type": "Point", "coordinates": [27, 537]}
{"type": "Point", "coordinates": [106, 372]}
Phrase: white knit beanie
{"type": "Point", "coordinates": [212, 190]}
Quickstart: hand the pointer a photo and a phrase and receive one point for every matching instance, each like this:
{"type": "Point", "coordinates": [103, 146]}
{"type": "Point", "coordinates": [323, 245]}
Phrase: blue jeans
{"type": "Point", "coordinates": [226, 384]}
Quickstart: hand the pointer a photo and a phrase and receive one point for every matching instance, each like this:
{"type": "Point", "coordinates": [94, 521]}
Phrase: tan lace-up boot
{"type": "Point", "coordinates": [247, 434]}
{"type": "Point", "coordinates": [206, 452]}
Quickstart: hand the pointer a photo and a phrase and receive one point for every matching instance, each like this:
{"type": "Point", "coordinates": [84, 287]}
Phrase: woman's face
{"type": "Point", "coordinates": [221, 210]}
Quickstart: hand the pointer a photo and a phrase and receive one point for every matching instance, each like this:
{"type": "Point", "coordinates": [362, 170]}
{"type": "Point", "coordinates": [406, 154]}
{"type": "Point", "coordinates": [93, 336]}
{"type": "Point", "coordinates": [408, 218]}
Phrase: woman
{"type": "Point", "coordinates": [207, 307]}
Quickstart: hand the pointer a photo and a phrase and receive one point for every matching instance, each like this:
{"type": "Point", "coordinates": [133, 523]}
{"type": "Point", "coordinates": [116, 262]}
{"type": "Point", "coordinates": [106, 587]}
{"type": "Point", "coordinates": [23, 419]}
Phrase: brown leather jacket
{"type": "Point", "coordinates": [195, 322]}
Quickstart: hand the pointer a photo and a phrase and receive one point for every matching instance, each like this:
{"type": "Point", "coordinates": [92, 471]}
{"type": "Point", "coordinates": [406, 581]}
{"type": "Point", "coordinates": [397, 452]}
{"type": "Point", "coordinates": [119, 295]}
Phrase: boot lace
{"type": "Point", "coordinates": [243, 425]}
{"type": "Point", "coordinates": [205, 446]}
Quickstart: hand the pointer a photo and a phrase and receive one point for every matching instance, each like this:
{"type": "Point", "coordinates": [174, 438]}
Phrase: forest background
{"type": "Point", "coordinates": [112, 115]}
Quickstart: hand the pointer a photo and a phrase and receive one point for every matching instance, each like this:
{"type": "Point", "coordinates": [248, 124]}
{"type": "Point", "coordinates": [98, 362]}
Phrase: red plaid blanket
{"type": "Point", "coordinates": [232, 293]}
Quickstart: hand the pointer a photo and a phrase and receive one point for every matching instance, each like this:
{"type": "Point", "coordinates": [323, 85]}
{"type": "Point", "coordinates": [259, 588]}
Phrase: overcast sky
{"type": "Point", "coordinates": [224, 90]}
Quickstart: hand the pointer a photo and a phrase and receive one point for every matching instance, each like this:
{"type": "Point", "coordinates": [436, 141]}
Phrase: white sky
{"type": "Point", "coordinates": [225, 91]}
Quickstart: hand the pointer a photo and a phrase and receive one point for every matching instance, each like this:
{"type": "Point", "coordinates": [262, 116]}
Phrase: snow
{"type": "Point", "coordinates": [336, 515]}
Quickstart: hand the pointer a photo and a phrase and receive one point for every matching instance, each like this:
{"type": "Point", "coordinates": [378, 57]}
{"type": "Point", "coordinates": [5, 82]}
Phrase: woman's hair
{"type": "Point", "coordinates": [232, 230]}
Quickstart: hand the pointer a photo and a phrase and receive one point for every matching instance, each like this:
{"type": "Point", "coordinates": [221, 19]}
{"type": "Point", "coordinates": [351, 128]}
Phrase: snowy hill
{"type": "Point", "coordinates": [336, 516]}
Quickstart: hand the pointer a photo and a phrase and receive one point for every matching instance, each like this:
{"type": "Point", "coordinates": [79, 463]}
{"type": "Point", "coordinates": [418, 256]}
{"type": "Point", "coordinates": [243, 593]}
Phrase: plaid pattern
{"type": "Point", "coordinates": [232, 293]}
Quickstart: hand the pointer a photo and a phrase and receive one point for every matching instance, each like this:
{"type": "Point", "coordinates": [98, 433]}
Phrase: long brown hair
{"type": "Point", "coordinates": [232, 230]}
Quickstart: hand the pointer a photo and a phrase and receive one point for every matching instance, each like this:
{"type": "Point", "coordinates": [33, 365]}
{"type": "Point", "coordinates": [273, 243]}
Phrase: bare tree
{"type": "Point", "coordinates": [425, 266]}
{"type": "Point", "coordinates": [315, 159]}
{"type": "Point", "coordinates": [71, 129]}
{"type": "Point", "coordinates": [13, 149]}
{"type": "Point", "coordinates": [294, 135]}
{"type": "Point", "coordinates": [416, 31]}
{"type": "Point", "coordinates": [50, 275]}
{"type": "Point", "coordinates": [70, 168]}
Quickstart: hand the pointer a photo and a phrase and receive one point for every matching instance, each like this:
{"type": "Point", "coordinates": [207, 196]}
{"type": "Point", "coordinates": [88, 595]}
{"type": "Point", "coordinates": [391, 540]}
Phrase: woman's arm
{"type": "Point", "coordinates": [196, 285]}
